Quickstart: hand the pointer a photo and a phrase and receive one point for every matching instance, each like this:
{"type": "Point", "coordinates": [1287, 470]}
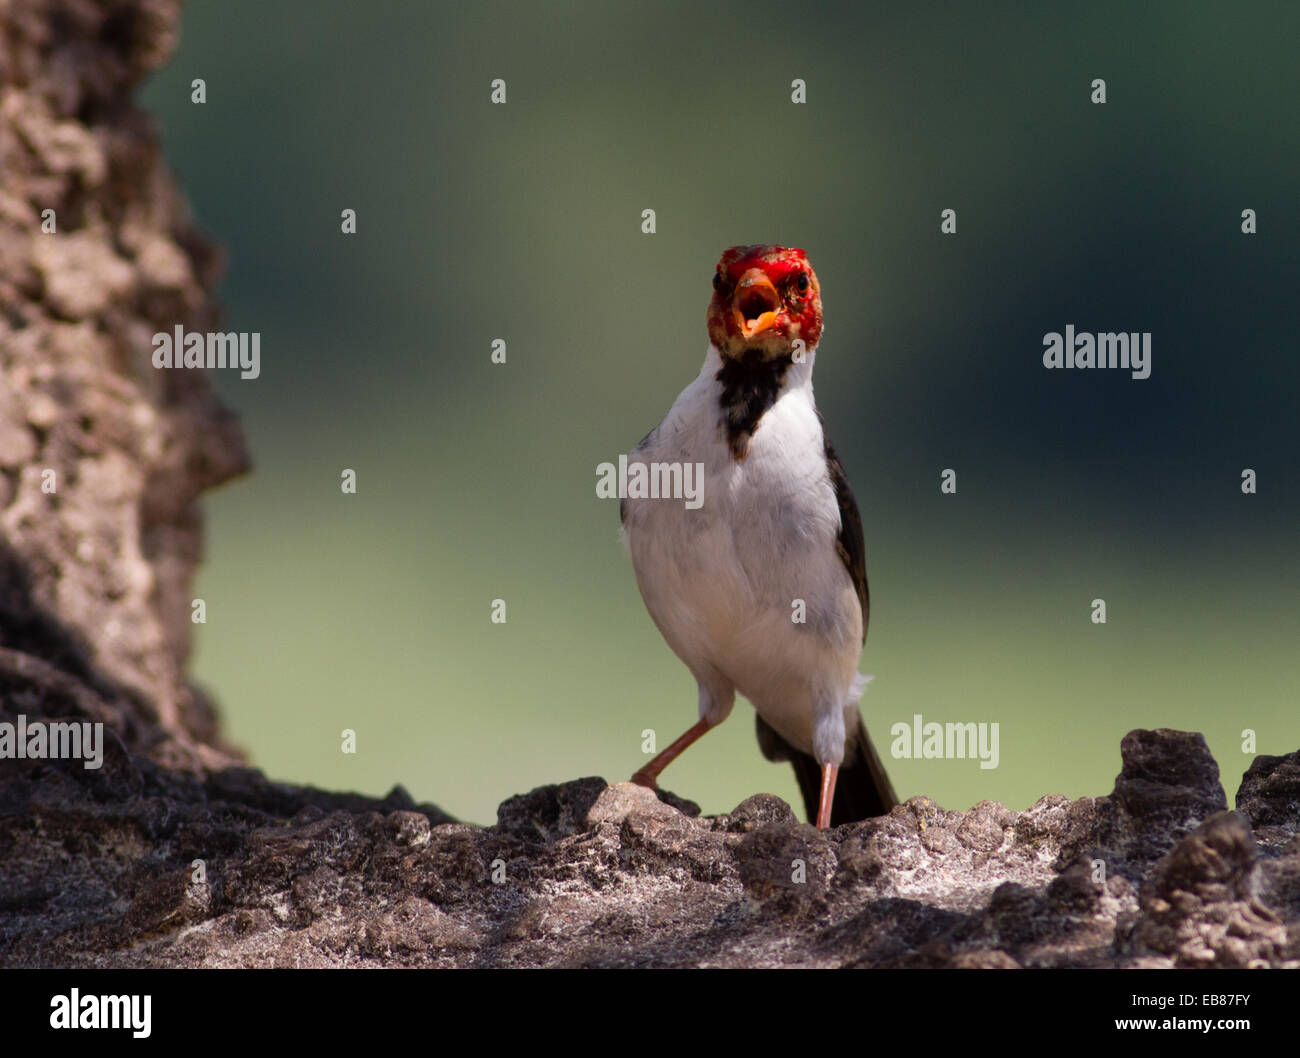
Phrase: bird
{"type": "Point", "coordinates": [761, 586]}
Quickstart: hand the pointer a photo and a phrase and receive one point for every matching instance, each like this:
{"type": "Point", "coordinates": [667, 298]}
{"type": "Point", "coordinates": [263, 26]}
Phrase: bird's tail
{"type": "Point", "coordinates": [862, 790]}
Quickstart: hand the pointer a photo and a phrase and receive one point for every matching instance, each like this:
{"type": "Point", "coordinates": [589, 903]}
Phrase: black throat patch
{"type": "Point", "coordinates": [750, 386]}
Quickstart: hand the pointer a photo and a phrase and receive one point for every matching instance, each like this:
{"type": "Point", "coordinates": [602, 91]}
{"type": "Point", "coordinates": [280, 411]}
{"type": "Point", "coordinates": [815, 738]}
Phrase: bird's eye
{"type": "Point", "coordinates": [801, 284]}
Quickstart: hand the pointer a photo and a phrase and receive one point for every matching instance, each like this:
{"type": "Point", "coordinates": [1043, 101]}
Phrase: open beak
{"type": "Point", "coordinates": [754, 304]}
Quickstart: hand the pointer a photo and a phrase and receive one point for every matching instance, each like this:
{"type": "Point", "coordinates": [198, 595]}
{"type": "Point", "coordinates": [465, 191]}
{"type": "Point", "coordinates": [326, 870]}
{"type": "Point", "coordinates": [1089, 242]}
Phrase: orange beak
{"type": "Point", "coordinates": [755, 302]}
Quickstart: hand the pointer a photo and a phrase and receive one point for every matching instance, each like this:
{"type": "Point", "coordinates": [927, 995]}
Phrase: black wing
{"type": "Point", "coordinates": [852, 550]}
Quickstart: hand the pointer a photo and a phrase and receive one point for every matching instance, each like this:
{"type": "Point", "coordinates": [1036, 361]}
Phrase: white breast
{"type": "Point", "coordinates": [723, 582]}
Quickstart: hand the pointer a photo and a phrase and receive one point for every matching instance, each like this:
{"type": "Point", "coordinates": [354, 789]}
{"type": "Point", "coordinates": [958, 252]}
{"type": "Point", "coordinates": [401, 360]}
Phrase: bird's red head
{"type": "Point", "coordinates": [765, 298]}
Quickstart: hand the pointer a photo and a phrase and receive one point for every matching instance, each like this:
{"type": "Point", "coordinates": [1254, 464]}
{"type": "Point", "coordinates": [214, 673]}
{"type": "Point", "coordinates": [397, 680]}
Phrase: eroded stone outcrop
{"type": "Point", "coordinates": [102, 457]}
{"type": "Point", "coordinates": [100, 870]}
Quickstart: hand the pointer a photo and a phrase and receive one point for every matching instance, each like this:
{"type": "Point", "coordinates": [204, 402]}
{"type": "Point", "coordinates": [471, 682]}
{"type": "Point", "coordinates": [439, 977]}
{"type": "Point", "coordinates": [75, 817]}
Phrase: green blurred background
{"type": "Point", "coordinates": [522, 222]}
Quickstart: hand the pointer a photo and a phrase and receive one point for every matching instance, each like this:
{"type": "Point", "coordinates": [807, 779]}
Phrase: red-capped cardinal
{"type": "Point", "coordinates": [761, 588]}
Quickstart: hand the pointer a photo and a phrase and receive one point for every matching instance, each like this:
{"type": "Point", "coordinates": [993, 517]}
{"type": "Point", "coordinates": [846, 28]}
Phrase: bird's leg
{"type": "Point", "coordinates": [829, 772]}
{"type": "Point", "coordinates": [649, 775]}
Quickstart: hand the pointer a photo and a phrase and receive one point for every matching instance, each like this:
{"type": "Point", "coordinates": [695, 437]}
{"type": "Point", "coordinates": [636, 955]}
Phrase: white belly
{"type": "Point", "coordinates": [725, 582]}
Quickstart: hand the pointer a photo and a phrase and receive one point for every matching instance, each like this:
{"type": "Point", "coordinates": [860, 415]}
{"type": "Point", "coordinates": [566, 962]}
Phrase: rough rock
{"type": "Point", "coordinates": [102, 869]}
{"type": "Point", "coordinates": [1202, 904]}
{"type": "Point", "coordinates": [102, 457]}
{"type": "Point", "coordinates": [1269, 797]}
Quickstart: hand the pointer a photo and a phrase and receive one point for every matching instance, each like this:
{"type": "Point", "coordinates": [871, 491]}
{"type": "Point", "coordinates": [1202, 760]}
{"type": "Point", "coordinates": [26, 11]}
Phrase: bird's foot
{"type": "Point", "coordinates": [829, 774]}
